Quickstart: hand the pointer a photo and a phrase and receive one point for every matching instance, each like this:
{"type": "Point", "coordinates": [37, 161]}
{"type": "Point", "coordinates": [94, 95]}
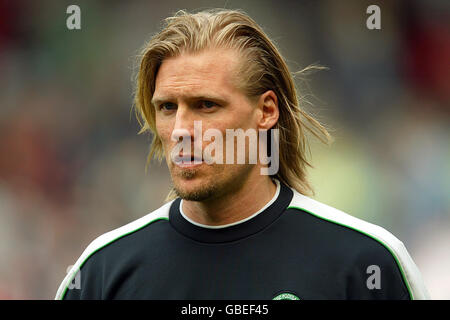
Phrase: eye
{"type": "Point", "coordinates": [168, 106]}
{"type": "Point", "coordinates": [208, 104]}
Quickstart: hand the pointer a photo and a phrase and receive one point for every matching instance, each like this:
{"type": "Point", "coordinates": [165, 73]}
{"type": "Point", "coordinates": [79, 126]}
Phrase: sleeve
{"type": "Point", "coordinates": [379, 273]}
{"type": "Point", "coordinates": [84, 283]}
{"type": "Point", "coordinates": [409, 271]}
{"type": "Point", "coordinates": [85, 279]}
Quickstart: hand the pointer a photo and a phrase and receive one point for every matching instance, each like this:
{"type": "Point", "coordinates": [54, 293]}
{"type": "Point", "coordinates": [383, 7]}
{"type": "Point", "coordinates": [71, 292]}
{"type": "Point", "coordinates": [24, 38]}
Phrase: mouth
{"type": "Point", "coordinates": [187, 161]}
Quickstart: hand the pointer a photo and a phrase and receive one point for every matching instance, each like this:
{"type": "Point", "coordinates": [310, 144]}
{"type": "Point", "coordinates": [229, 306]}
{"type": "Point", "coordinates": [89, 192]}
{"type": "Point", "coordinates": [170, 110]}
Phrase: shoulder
{"type": "Point", "coordinates": [112, 237]}
{"type": "Point", "coordinates": [385, 242]}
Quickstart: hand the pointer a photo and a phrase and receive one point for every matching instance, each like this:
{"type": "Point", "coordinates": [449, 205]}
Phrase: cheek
{"type": "Point", "coordinates": [246, 118]}
{"type": "Point", "coordinates": [242, 116]}
{"type": "Point", "coordinates": [164, 132]}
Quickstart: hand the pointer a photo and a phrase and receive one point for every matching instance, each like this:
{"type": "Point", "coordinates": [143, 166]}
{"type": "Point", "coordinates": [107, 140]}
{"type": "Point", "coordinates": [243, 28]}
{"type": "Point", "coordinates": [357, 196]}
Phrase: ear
{"type": "Point", "coordinates": [268, 107]}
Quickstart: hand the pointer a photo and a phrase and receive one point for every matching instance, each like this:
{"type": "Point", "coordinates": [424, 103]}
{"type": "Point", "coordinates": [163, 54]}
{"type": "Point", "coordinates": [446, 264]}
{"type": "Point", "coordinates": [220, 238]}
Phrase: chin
{"type": "Point", "coordinates": [189, 186]}
{"type": "Point", "coordinates": [201, 185]}
{"type": "Point", "coordinates": [197, 192]}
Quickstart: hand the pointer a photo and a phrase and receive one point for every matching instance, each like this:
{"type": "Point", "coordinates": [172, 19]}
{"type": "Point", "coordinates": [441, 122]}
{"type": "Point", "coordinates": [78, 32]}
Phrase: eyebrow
{"type": "Point", "coordinates": [158, 100]}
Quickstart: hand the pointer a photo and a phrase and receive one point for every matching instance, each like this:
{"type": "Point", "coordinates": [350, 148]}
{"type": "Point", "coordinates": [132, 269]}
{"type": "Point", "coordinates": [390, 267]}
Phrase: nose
{"type": "Point", "coordinates": [187, 134]}
{"type": "Point", "coordinates": [184, 125]}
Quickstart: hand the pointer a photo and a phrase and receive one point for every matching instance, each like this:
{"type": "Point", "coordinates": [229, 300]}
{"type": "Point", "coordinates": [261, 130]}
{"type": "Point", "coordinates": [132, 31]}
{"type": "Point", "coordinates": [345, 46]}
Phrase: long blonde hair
{"type": "Point", "coordinates": [262, 68]}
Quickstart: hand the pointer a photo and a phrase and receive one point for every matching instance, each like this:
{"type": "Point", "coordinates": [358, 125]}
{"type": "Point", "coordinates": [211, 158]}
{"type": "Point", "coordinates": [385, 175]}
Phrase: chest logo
{"type": "Point", "coordinates": [286, 296]}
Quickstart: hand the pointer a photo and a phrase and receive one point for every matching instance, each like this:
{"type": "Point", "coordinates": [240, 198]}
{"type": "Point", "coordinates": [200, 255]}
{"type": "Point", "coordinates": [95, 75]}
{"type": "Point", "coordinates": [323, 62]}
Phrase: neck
{"type": "Point", "coordinates": [234, 206]}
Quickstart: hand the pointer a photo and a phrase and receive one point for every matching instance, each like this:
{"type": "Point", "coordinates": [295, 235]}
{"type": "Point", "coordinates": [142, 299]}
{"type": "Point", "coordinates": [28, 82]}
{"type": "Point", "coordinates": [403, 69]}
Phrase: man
{"type": "Point", "coordinates": [230, 229]}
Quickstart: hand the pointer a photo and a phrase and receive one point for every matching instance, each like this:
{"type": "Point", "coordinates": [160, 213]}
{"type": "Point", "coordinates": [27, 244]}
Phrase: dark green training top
{"type": "Point", "coordinates": [293, 248]}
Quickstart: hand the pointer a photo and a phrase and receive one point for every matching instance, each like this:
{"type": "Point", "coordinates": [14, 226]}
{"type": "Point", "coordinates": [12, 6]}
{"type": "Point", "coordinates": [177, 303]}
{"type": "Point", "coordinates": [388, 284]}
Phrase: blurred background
{"type": "Point", "coordinates": [73, 167]}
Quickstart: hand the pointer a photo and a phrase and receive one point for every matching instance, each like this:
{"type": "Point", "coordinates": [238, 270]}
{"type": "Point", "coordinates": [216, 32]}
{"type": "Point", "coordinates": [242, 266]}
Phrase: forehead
{"type": "Point", "coordinates": [209, 71]}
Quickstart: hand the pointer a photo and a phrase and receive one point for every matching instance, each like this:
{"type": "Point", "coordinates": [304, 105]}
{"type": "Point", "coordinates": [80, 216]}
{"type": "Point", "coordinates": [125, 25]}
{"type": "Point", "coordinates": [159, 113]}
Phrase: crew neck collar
{"type": "Point", "coordinates": [277, 192]}
{"type": "Point", "coordinates": [236, 230]}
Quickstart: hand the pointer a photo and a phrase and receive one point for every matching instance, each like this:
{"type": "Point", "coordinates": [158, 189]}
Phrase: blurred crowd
{"type": "Point", "coordinates": [73, 167]}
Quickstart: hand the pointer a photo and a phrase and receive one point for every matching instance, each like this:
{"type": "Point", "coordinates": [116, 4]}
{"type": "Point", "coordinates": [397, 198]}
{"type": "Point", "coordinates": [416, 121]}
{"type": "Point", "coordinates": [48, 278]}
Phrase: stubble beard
{"type": "Point", "coordinates": [212, 188]}
{"type": "Point", "coordinates": [204, 192]}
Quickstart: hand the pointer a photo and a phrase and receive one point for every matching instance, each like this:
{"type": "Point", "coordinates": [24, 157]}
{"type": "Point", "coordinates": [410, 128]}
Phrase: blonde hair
{"type": "Point", "coordinates": [262, 68]}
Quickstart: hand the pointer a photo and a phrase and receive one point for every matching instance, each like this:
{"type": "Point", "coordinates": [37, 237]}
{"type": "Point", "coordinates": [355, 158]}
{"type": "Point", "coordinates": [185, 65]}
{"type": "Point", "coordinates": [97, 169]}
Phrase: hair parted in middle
{"type": "Point", "coordinates": [261, 68]}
